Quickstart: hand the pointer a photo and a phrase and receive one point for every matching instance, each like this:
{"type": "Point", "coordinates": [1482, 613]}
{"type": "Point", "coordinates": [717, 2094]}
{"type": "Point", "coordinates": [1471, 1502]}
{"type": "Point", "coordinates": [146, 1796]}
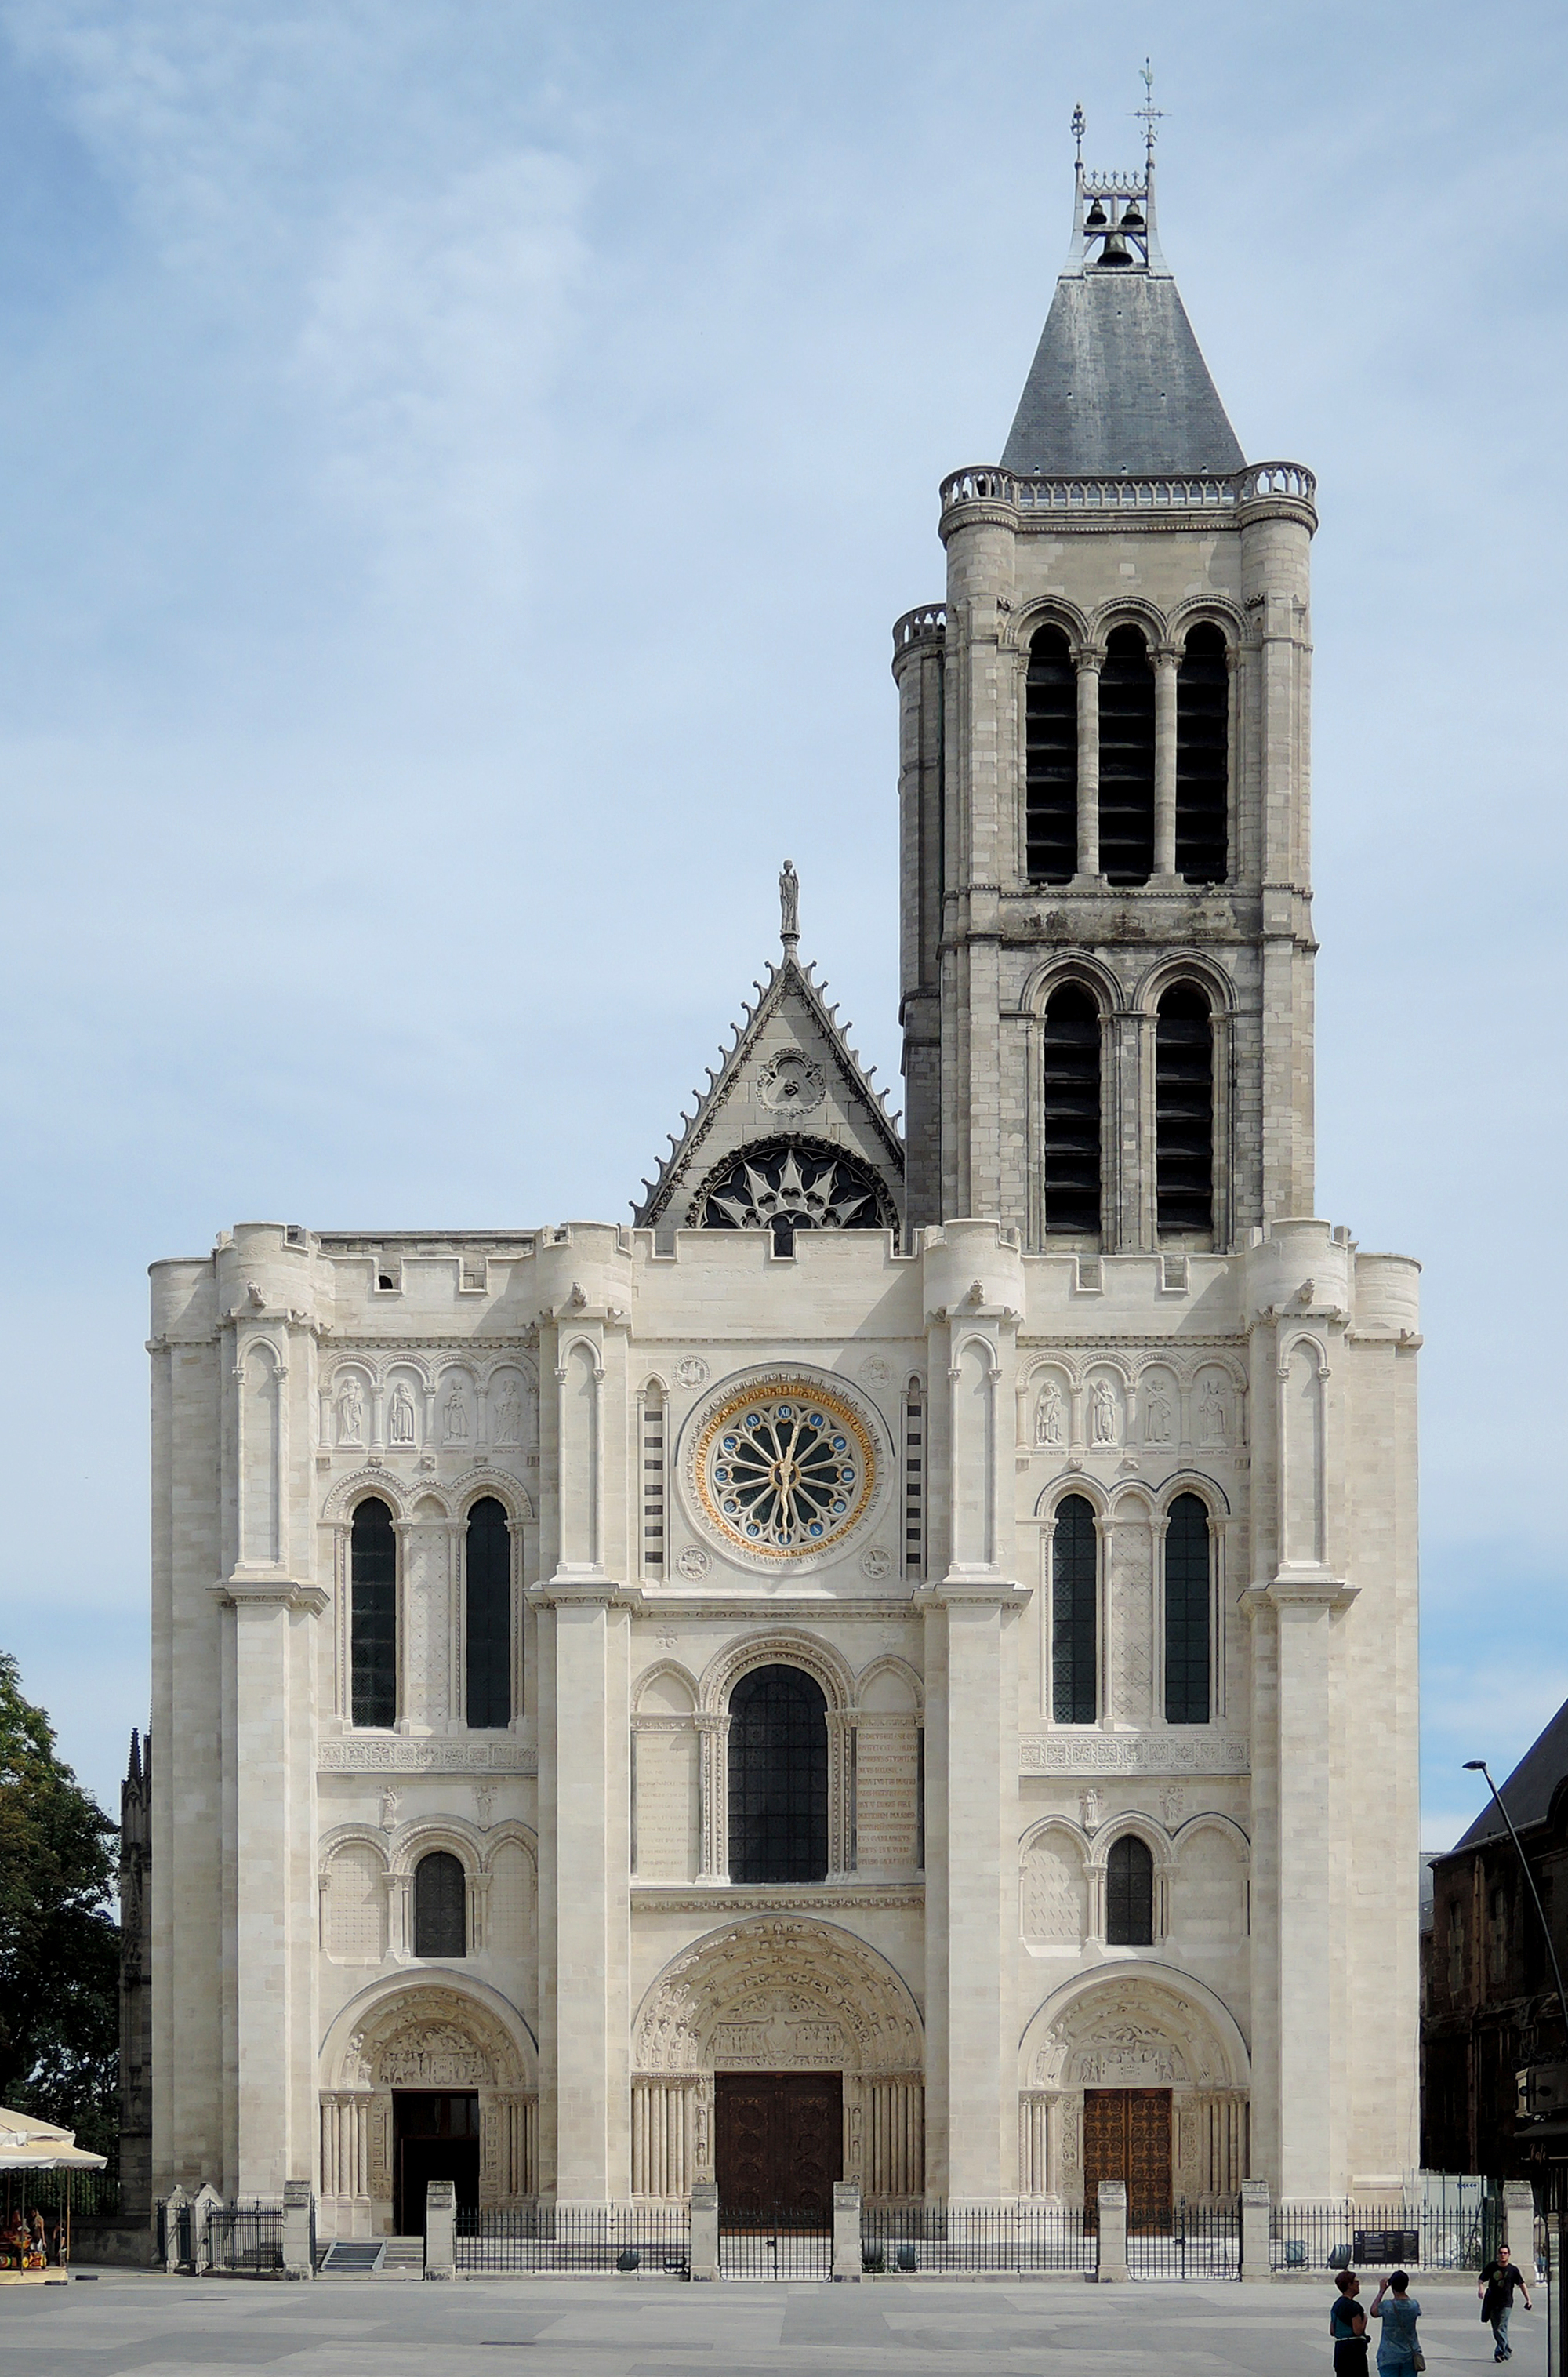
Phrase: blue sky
{"type": "Point", "coordinates": [459, 467]}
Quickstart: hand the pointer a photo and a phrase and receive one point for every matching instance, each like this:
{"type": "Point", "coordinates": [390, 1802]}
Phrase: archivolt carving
{"type": "Point", "coordinates": [1156, 2029]}
{"type": "Point", "coordinates": [416, 2035]}
{"type": "Point", "coordinates": [785, 1648]}
{"type": "Point", "coordinates": [347, 1491]}
{"type": "Point", "coordinates": [775, 1994]}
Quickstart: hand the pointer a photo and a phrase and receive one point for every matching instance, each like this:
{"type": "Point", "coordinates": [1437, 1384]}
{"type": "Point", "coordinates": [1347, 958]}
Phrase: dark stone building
{"type": "Point", "coordinates": [1489, 2003]}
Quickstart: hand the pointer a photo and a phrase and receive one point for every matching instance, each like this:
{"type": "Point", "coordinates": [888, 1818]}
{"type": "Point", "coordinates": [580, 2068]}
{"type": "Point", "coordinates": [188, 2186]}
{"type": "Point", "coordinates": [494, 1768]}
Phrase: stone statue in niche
{"type": "Point", "coordinates": [1051, 1415]}
{"type": "Point", "coordinates": [350, 1413]}
{"type": "Point", "coordinates": [455, 1417]}
{"type": "Point", "coordinates": [1103, 1413]}
{"type": "Point", "coordinates": [400, 1416]}
{"type": "Point", "coordinates": [510, 1415]}
{"type": "Point", "coordinates": [1091, 1806]}
{"type": "Point", "coordinates": [1212, 1419]}
{"type": "Point", "coordinates": [1159, 1417]}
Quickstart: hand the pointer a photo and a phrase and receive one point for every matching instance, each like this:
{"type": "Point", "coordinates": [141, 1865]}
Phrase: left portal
{"type": "Point", "coordinates": [437, 2137]}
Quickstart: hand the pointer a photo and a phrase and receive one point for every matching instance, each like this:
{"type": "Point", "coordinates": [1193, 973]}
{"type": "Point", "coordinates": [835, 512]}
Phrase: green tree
{"type": "Point", "coordinates": [59, 1944]}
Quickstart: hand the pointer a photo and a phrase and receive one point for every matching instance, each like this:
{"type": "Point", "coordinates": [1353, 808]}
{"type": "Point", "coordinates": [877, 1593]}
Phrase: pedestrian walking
{"type": "Point", "coordinates": [1398, 2346]}
{"type": "Point", "coordinates": [1348, 2326]}
{"type": "Point", "coordinates": [1499, 2283]}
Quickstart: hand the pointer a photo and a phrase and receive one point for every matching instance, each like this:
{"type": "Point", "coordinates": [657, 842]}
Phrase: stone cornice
{"type": "Point", "coordinates": [258, 1591]}
{"type": "Point", "coordinates": [720, 1899]}
{"type": "Point", "coordinates": [657, 1604]}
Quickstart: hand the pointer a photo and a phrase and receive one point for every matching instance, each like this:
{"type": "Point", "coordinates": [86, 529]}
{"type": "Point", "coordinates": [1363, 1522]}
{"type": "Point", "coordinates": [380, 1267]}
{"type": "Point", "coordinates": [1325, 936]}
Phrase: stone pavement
{"type": "Point", "coordinates": [658, 2327]}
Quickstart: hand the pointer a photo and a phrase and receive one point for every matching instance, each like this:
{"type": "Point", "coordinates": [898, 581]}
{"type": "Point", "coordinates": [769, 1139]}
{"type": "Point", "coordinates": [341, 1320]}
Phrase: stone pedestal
{"type": "Point", "coordinates": [441, 2229]}
{"type": "Point", "coordinates": [298, 2262]}
{"type": "Point", "coordinates": [847, 2229]}
{"type": "Point", "coordinates": [705, 2228]}
{"type": "Point", "coordinates": [1112, 2266]}
{"type": "Point", "coordinates": [1255, 2262]}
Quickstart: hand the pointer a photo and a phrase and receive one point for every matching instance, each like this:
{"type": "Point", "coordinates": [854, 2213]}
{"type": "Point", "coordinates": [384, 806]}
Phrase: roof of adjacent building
{"type": "Point", "coordinates": [1118, 385]}
{"type": "Point", "coordinates": [1529, 1790]}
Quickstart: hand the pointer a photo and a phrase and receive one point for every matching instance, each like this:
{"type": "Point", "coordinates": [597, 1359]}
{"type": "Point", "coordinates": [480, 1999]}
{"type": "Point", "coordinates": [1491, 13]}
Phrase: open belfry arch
{"type": "Point", "coordinates": [849, 1675]}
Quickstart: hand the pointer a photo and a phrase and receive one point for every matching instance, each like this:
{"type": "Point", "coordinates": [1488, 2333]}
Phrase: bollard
{"type": "Point", "coordinates": [296, 2228]}
{"type": "Point", "coordinates": [705, 2228]}
{"type": "Point", "coordinates": [1111, 2266]}
{"type": "Point", "coordinates": [441, 2229]}
{"type": "Point", "coordinates": [1257, 2265]}
{"type": "Point", "coordinates": [847, 2229]}
{"type": "Point", "coordinates": [176, 2203]}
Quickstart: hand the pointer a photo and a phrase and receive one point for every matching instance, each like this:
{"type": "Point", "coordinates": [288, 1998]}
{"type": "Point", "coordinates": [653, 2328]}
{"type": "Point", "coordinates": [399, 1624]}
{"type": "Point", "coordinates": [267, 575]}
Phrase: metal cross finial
{"type": "Point", "coordinates": [1077, 130]}
{"type": "Point", "coordinates": [1149, 113]}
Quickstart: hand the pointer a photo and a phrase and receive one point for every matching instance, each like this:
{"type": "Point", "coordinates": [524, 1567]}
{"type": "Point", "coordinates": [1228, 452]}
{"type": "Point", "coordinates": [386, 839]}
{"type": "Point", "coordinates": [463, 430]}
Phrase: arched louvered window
{"type": "Point", "coordinates": [1129, 1893]}
{"type": "Point", "coordinates": [777, 1777]}
{"type": "Point", "coordinates": [1183, 1092]}
{"type": "Point", "coordinates": [373, 1626]}
{"type": "Point", "coordinates": [1051, 703]}
{"type": "Point", "coordinates": [489, 1644]}
{"type": "Point", "coordinates": [1074, 1616]}
{"type": "Point", "coordinates": [440, 1907]}
{"type": "Point", "coordinates": [914, 1479]}
{"type": "Point", "coordinates": [1202, 760]}
{"type": "Point", "coordinates": [1186, 1612]}
{"type": "Point", "coordinates": [655, 1419]}
{"type": "Point", "coordinates": [1070, 1112]}
{"type": "Point", "coordinates": [1126, 759]}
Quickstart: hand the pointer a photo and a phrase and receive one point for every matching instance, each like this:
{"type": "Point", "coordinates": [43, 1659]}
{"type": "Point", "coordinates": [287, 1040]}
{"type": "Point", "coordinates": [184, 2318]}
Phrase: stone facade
{"type": "Point", "coordinates": [965, 1961]}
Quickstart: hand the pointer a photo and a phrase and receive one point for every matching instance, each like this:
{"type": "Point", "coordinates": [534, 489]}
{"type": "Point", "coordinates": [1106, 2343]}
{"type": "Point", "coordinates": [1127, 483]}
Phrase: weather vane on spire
{"type": "Point", "coordinates": [1149, 113]}
{"type": "Point", "coordinates": [1076, 128]}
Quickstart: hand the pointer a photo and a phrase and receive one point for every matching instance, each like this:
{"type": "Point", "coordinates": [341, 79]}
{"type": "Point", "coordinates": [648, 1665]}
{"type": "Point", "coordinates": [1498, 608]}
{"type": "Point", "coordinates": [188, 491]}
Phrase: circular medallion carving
{"type": "Point", "coordinates": [783, 1469]}
{"type": "Point", "coordinates": [692, 1370]}
{"type": "Point", "coordinates": [694, 1562]}
{"type": "Point", "coordinates": [791, 1083]}
{"type": "Point", "coordinates": [878, 1561]}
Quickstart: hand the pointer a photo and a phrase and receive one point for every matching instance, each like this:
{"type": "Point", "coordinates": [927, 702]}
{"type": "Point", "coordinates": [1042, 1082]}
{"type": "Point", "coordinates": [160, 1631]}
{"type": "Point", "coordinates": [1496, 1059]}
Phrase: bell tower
{"type": "Point", "coordinates": [1106, 948]}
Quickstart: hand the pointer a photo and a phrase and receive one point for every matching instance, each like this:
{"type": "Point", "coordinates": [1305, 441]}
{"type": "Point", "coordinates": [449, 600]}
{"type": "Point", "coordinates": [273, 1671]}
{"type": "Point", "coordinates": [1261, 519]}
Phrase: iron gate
{"type": "Point", "coordinates": [775, 2244]}
{"type": "Point", "coordinates": [1198, 2241]}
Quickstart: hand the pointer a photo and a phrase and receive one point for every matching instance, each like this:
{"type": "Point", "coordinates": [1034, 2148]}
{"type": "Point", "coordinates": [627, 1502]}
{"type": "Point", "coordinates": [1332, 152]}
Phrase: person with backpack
{"type": "Point", "coordinates": [1496, 2286]}
{"type": "Point", "coordinates": [1348, 2326]}
{"type": "Point", "coordinates": [1398, 2346]}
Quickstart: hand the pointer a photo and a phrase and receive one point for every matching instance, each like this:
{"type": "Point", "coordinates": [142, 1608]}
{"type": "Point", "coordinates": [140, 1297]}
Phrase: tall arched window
{"type": "Point", "coordinates": [1129, 1893]}
{"type": "Point", "coordinates": [1126, 759]}
{"type": "Point", "coordinates": [488, 1641]}
{"type": "Point", "coordinates": [777, 1777]}
{"type": "Point", "coordinates": [1070, 1112]}
{"type": "Point", "coordinates": [1050, 806]}
{"type": "Point", "coordinates": [1186, 1612]}
{"type": "Point", "coordinates": [1183, 1092]}
{"type": "Point", "coordinates": [440, 1907]}
{"type": "Point", "coordinates": [1203, 759]}
{"type": "Point", "coordinates": [373, 1626]}
{"type": "Point", "coordinates": [1073, 1595]}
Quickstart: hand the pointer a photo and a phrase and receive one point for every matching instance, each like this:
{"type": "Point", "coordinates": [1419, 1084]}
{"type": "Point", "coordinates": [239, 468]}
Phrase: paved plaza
{"type": "Point", "coordinates": [662, 2328]}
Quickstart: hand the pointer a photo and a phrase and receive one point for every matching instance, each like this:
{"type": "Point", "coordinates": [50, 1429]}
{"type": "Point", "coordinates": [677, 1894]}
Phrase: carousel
{"type": "Point", "coordinates": [35, 2237]}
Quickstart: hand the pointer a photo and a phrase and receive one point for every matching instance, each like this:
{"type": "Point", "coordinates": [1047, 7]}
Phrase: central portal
{"type": "Point", "coordinates": [1127, 2136]}
{"type": "Point", "coordinates": [779, 2141]}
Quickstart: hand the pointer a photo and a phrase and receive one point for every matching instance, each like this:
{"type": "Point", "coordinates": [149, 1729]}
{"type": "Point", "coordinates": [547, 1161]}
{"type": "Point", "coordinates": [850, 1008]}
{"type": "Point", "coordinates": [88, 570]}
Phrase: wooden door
{"type": "Point", "coordinates": [1127, 2136]}
{"type": "Point", "coordinates": [779, 2141]}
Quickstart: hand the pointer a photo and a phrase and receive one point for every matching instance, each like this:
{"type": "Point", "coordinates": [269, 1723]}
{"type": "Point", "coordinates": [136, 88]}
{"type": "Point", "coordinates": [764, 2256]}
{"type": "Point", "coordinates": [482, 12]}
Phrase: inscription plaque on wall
{"type": "Point", "coordinates": [886, 1800]}
{"type": "Point", "coordinates": [667, 1806]}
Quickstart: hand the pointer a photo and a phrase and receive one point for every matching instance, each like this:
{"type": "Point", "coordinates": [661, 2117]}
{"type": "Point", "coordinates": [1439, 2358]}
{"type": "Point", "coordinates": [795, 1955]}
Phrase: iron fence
{"type": "Point", "coordinates": [245, 2240]}
{"type": "Point", "coordinates": [1345, 2236]}
{"type": "Point", "coordinates": [931, 2236]}
{"type": "Point", "coordinates": [625, 2237]}
{"type": "Point", "coordinates": [1192, 2241]}
{"type": "Point", "coordinates": [775, 2244]}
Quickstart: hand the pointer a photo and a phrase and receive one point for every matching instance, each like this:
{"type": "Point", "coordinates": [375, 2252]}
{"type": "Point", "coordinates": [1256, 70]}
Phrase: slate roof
{"type": "Point", "coordinates": [1528, 1794]}
{"type": "Point", "coordinates": [1118, 385]}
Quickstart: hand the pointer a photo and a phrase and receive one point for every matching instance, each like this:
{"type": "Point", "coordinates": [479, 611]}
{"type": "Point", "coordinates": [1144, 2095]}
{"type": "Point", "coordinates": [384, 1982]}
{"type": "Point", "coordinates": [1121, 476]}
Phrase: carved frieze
{"type": "Point", "coordinates": [352, 1756]}
{"type": "Point", "coordinates": [1195, 1750]}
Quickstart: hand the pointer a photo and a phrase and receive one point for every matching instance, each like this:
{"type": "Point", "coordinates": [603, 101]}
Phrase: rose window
{"type": "Point", "coordinates": [784, 1471]}
{"type": "Point", "coordinates": [784, 1186]}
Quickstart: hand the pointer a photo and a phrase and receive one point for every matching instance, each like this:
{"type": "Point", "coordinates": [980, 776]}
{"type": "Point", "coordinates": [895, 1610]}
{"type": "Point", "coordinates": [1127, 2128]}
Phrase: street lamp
{"type": "Point", "coordinates": [1479, 1766]}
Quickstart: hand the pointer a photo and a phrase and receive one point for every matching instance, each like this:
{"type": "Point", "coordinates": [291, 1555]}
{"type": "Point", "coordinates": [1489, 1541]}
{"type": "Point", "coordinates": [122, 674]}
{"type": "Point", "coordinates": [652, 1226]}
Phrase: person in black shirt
{"type": "Point", "coordinates": [1348, 2326]}
{"type": "Point", "coordinates": [1496, 2287]}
